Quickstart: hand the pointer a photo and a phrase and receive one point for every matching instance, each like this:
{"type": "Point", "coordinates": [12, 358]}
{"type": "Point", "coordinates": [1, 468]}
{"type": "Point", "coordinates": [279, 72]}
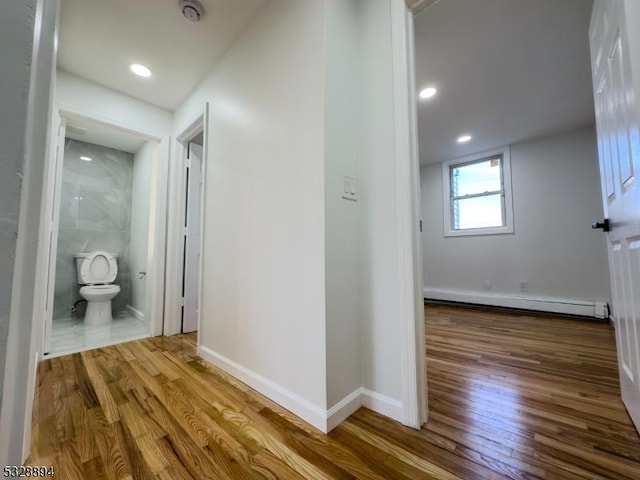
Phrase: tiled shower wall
{"type": "Point", "coordinates": [95, 214]}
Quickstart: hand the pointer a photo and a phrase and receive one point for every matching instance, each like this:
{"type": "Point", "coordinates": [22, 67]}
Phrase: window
{"type": "Point", "coordinates": [477, 194]}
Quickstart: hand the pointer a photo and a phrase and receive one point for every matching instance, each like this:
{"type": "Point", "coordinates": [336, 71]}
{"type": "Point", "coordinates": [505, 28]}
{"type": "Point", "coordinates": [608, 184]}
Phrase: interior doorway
{"type": "Point", "coordinates": [185, 220]}
{"type": "Point", "coordinates": [482, 122]}
{"type": "Point", "coordinates": [103, 186]}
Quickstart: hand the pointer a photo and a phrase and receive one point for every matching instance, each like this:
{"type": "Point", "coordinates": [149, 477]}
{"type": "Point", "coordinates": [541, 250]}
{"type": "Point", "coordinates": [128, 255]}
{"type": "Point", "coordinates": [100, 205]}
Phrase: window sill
{"type": "Point", "coordinates": [472, 232]}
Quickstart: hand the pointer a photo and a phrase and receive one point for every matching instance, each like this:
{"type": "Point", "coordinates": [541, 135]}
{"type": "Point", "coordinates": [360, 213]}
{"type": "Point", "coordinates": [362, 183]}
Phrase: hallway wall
{"type": "Point", "coordinates": [86, 98]}
{"type": "Point", "coordinates": [301, 297]}
{"type": "Point", "coordinates": [27, 55]}
{"type": "Point", "coordinates": [263, 307]}
{"type": "Point", "coordinates": [16, 36]}
{"type": "Point", "coordinates": [342, 216]}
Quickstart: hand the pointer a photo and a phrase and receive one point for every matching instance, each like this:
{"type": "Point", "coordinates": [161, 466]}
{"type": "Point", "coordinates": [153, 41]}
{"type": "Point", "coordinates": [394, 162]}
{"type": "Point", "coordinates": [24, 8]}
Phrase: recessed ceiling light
{"type": "Point", "coordinates": [464, 138]}
{"type": "Point", "coordinates": [140, 70]}
{"type": "Point", "coordinates": [428, 92]}
{"type": "Point", "coordinates": [86, 159]}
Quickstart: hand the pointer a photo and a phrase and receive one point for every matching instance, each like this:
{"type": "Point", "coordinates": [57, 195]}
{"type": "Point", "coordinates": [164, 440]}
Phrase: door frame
{"type": "Point", "coordinates": [49, 223]}
{"type": "Point", "coordinates": [155, 307]}
{"type": "Point", "coordinates": [177, 170]}
{"type": "Point", "coordinates": [410, 282]}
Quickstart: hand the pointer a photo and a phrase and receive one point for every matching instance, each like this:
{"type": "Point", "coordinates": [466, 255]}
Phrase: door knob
{"type": "Point", "coordinates": [604, 225]}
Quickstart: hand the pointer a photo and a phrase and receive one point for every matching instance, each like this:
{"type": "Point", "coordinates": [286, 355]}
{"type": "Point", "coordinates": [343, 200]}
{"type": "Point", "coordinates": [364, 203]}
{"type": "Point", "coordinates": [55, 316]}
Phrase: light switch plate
{"type": "Point", "coordinates": [349, 188]}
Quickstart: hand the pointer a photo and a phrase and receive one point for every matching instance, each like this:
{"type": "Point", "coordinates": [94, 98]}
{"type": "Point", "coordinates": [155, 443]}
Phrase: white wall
{"type": "Point", "coordinates": [263, 302]}
{"type": "Point", "coordinates": [300, 286]}
{"type": "Point", "coordinates": [25, 85]}
{"type": "Point", "coordinates": [16, 39]}
{"type": "Point", "coordinates": [361, 238]}
{"type": "Point", "coordinates": [140, 214]}
{"type": "Point", "coordinates": [84, 97]}
{"type": "Point", "coordinates": [342, 218]}
{"type": "Point", "coordinates": [379, 290]}
{"type": "Point", "coordinates": [556, 197]}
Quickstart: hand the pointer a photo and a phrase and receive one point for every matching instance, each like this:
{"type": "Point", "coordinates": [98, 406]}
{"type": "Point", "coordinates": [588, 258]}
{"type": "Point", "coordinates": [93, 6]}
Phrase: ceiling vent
{"type": "Point", "coordinates": [192, 10]}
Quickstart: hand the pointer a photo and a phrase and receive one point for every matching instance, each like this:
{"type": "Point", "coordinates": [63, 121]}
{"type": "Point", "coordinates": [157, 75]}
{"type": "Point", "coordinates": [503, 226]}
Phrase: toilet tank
{"type": "Point", "coordinates": [79, 258]}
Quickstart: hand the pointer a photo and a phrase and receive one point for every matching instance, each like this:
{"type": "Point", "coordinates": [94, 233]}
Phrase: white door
{"type": "Point", "coordinates": [51, 214]}
{"type": "Point", "coordinates": [190, 282]}
{"type": "Point", "coordinates": [617, 118]}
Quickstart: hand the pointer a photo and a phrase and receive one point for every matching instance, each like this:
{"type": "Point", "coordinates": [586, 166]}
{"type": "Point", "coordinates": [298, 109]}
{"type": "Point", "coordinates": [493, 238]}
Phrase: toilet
{"type": "Point", "coordinates": [97, 271]}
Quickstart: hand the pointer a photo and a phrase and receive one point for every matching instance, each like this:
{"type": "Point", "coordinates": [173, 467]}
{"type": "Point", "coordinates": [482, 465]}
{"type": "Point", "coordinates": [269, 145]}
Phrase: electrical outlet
{"type": "Point", "coordinates": [487, 284]}
{"type": "Point", "coordinates": [524, 286]}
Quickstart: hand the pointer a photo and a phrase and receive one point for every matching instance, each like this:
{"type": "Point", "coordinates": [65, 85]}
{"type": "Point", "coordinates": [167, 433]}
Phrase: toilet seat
{"type": "Point", "coordinates": [99, 290]}
{"type": "Point", "coordinates": [99, 268]}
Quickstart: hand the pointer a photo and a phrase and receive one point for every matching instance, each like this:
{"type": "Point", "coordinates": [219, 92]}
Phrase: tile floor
{"type": "Point", "coordinates": [70, 335]}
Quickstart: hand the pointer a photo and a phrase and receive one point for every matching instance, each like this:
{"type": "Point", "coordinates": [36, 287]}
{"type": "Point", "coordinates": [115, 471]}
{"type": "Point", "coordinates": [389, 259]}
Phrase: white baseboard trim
{"type": "Point", "coordinates": [323, 420]}
{"type": "Point", "coordinates": [303, 408]}
{"type": "Point", "coordinates": [382, 404]}
{"type": "Point", "coordinates": [344, 409]}
{"type": "Point", "coordinates": [136, 313]}
{"type": "Point", "coordinates": [552, 305]}
{"type": "Point", "coordinates": [362, 397]}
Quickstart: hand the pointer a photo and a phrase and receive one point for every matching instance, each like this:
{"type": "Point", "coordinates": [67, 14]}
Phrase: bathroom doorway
{"type": "Point", "coordinates": [106, 183]}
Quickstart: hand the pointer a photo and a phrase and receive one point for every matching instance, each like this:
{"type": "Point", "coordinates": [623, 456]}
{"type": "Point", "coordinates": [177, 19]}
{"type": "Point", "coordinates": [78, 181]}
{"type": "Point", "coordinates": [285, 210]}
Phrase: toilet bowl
{"type": "Point", "coordinates": [98, 299]}
{"type": "Point", "coordinates": [96, 271]}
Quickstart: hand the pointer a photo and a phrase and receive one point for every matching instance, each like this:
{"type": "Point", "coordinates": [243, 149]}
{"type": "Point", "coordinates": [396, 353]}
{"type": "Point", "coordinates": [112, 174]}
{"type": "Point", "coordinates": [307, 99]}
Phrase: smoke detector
{"type": "Point", "coordinates": [191, 10]}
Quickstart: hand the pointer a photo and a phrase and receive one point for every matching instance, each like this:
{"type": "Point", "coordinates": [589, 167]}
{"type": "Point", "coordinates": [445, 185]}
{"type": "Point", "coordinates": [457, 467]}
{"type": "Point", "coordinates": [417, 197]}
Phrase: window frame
{"type": "Point", "coordinates": [506, 191]}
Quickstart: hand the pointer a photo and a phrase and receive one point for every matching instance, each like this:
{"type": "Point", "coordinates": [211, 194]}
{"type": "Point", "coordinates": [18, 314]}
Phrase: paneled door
{"type": "Point", "coordinates": [192, 245]}
{"type": "Point", "coordinates": [614, 41]}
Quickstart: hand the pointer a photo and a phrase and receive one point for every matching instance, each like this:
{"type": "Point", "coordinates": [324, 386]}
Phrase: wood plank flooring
{"type": "Point", "coordinates": [511, 396]}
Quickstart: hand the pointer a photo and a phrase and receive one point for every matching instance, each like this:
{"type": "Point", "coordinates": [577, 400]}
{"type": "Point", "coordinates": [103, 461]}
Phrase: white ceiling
{"type": "Point", "coordinates": [99, 39]}
{"type": "Point", "coordinates": [506, 71]}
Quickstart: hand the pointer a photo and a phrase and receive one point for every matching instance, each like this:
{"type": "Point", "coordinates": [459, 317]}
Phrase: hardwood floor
{"type": "Point", "coordinates": [511, 396]}
{"type": "Point", "coordinates": [529, 396]}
